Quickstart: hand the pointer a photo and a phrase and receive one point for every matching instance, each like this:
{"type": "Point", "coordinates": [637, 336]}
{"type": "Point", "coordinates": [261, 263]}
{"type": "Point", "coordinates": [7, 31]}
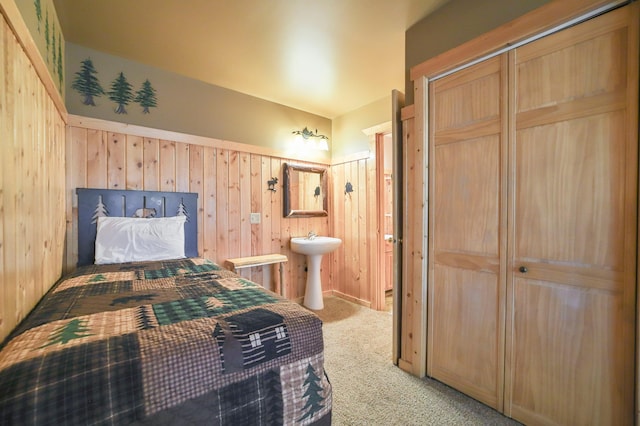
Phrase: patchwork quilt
{"type": "Point", "coordinates": [168, 342]}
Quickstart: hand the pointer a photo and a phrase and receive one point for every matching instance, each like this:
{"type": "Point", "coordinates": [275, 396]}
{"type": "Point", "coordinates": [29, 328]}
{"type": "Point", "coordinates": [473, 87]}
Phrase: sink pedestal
{"type": "Point", "coordinates": [313, 293]}
{"type": "Point", "coordinates": [314, 248]}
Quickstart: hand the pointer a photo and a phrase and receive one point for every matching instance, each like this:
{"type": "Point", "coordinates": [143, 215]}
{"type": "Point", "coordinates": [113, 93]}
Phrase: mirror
{"type": "Point", "coordinates": [305, 191]}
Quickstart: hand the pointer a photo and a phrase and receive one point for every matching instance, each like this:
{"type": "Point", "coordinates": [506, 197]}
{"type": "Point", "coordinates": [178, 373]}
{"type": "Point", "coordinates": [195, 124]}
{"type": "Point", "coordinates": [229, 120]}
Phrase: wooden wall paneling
{"type": "Point", "coordinates": [299, 273]}
{"type": "Point", "coordinates": [245, 205]}
{"type": "Point", "coordinates": [167, 165]}
{"type": "Point", "coordinates": [285, 232]}
{"type": "Point", "coordinates": [5, 178]}
{"type": "Point", "coordinates": [30, 181]}
{"type": "Point", "coordinates": [297, 261]}
{"type": "Point", "coordinates": [226, 180]}
{"type": "Point", "coordinates": [134, 162]}
{"type": "Point", "coordinates": [357, 263]}
{"type": "Point", "coordinates": [96, 158]}
{"type": "Point", "coordinates": [76, 175]}
{"type": "Point", "coordinates": [32, 177]}
{"type": "Point", "coordinates": [116, 161]}
{"type": "Point", "coordinates": [328, 230]}
{"type": "Point", "coordinates": [234, 208]}
{"type": "Point", "coordinates": [337, 172]}
{"type": "Point", "coordinates": [364, 287]}
{"type": "Point", "coordinates": [327, 285]}
{"type": "Point", "coordinates": [277, 239]}
{"type": "Point", "coordinates": [183, 175]}
{"type": "Point", "coordinates": [53, 199]}
{"type": "Point", "coordinates": [57, 199]}
{"type": "Point", "coordinates": [22, 136]}
{"type": "Point", "coordinates": [9, 146]}
{"type": "Point", "coordinates": [57, 244]}
{"type": "Point", "coordinates": [151, 172]}
{"type": "Point", "coordinates": [4, 136]}
{"type": "Point", "coordinates": [222, 205]}
{"type": "Point", "coordinates": [347, 225]}
{"type": "Point", "coordinates": [196, 178]}
{"type": "Point", "coordinates": [19, 185]}
{"type": "Point", "coordinates": [38, 252]}
{"type": "Point", "coordinates": [209, 203]}
{"type": "Point", "coordinates": [39, 202]}
{"type": "Point", "coordinates": [350, 248]}
{"type": "Point", "coordinates": [354, 238]}
{"type": "Point", "coordinates": [255, 168]}
{"type": "Point", "coordinates": [266, 219]}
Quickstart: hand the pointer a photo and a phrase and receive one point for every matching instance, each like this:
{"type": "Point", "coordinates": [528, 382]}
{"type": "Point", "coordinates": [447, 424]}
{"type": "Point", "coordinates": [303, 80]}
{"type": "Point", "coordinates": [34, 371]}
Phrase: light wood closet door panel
{"type": "Point", "coordinates": [573, 170]}
{"type": "Point", "coordinates": [467, 285]}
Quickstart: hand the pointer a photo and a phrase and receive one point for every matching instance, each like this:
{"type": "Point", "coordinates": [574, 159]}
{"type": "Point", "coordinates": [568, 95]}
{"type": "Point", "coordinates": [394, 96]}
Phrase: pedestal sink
{"type": "Point", "coordinates": [314, 248]}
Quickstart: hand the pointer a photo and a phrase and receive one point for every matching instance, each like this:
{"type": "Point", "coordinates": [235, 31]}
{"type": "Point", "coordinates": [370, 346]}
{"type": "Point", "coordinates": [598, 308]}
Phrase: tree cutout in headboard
{"type": "Point", "coordinates": [100, 211]}
{"type": "Point", "coordinates": [182, 210]}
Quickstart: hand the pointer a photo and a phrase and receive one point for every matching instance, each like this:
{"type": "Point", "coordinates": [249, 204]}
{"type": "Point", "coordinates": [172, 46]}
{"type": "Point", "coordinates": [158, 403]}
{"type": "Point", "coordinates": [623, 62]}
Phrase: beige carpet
{"type": "Point", "coordinates": [369, 390]}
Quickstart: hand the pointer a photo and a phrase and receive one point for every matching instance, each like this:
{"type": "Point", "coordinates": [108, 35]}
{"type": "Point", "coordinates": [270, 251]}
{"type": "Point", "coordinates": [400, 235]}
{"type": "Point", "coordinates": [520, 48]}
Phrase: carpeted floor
{"type": "Point", "coordinates": [369, 390]}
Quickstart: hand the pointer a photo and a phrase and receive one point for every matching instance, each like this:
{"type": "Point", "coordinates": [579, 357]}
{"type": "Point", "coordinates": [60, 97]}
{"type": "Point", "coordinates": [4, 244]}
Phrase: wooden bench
{"type": "Point", "coordinates": [265, 259]}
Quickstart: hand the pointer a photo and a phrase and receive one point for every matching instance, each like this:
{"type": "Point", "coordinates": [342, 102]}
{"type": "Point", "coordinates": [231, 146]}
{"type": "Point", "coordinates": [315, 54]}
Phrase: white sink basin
{"type": "Point", "coordinates": [319, 245]}
{"type": "Point", "coordinates": [314, 249]}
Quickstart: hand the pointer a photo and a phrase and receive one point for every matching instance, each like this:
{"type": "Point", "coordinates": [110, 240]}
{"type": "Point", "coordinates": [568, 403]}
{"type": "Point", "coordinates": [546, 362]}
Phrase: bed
{"type": "Point", "coordinates": [161, 341]}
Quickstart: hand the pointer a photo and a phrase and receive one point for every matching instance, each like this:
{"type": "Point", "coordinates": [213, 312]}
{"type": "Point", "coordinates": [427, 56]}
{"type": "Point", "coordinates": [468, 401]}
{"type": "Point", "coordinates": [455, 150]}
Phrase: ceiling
{"type": "Point", "coordinates": [326, 57]}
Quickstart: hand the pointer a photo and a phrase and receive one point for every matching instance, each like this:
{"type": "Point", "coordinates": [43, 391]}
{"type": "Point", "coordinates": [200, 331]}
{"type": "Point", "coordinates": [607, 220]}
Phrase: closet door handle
{"type": "Point", "coordinates": [523, 269]}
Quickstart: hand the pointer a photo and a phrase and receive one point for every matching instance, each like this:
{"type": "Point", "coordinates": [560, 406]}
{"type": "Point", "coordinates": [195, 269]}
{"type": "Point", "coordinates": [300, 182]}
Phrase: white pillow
{"type": "Point", "coordinates": [125, 239]}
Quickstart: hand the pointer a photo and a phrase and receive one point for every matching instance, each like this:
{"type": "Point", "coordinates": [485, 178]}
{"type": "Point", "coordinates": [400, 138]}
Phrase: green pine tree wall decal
{"type": "Point", "coordinates": [312, 392]}
{"type": "Point", "coordinates": [54, 53]}
{"type": "Point", "coordinates": [121, 93]}
{"type": "Point", "coordinates": [86, 83]}
{"type": "Point", "coordinates": [38, 7]}
{"type": "Point", "coordinates": [60, 67]}
{"type": "Point", "coordinates": [146, 97]}
{"type": "Point", "coordinates": [46, 33]}
{"type": "Point", "coordinates": [74, 329]}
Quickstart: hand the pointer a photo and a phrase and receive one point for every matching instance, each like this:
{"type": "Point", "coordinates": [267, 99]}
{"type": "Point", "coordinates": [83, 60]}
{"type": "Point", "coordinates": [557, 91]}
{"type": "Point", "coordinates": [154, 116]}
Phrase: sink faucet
{"type": "Point", "coordinates": [311, 235]}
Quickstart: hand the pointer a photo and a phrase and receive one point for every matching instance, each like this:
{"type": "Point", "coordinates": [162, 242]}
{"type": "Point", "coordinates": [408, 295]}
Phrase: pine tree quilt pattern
{"type": "Point", "coordinates": [169, 342]}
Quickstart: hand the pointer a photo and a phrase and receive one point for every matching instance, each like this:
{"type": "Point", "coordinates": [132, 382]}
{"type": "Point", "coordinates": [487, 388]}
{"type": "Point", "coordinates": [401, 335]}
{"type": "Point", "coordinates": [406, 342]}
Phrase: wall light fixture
{"type": "Point", "coordinates": [312, 140]}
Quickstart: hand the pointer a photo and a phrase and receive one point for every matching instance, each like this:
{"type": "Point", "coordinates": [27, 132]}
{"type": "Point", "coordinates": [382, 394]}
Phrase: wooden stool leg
{"type": "Point", "coordinates": [282, 286]}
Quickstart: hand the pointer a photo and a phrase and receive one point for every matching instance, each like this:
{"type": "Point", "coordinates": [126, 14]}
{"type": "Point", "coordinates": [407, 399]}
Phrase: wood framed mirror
{"type": "Point", "coordinates": [305, 191]}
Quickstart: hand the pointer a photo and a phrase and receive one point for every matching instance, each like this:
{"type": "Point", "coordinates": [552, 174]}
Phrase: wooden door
{"type": "Point", "coordinates": [467, 290]}
{"type": "Point", "coordinates": [572, 246]}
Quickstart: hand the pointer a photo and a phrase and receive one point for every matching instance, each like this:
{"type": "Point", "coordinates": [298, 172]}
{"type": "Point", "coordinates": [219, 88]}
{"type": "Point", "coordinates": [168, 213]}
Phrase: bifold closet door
{"type": "Point", "coordinates": [572, 239]}
{"type": "Point", "coordinates": [467, 290]}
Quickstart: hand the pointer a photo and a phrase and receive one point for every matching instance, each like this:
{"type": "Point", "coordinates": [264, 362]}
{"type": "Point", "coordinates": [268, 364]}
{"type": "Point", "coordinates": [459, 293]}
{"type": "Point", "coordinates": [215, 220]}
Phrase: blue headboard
{"type": "Point", "coordinates": [93, 203]}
